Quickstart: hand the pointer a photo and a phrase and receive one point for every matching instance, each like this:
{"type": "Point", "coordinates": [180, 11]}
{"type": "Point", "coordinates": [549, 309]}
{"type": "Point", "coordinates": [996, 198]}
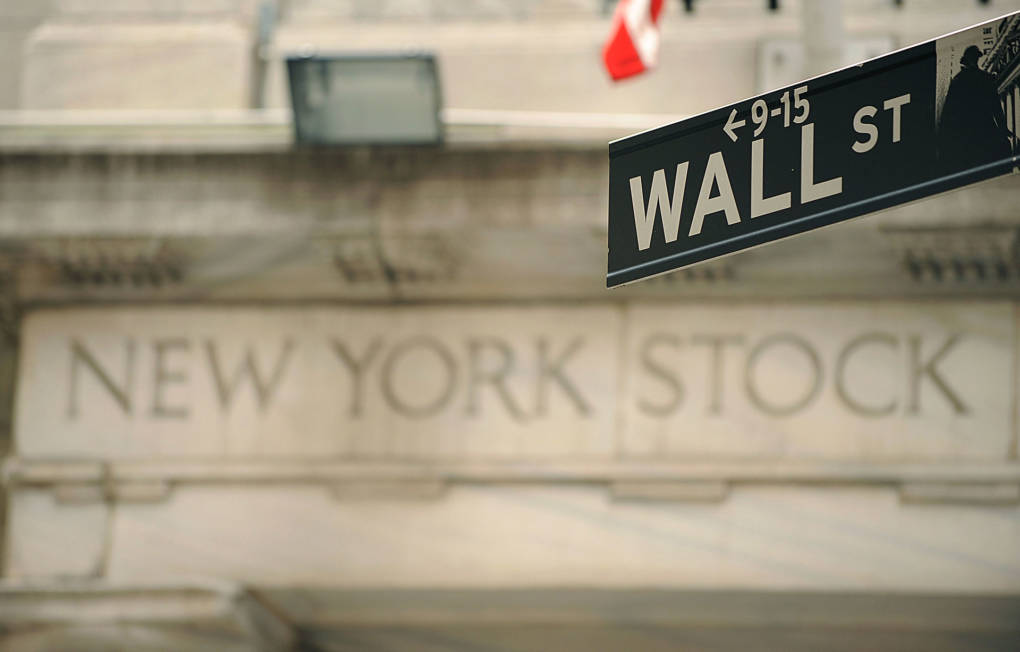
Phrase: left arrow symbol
{"type": "Point", "coordinates": [732, 124]}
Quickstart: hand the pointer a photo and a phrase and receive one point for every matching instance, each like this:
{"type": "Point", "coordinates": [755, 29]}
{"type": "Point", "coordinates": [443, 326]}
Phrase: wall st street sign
{"type": "Point", "coordinates": [923, 120]}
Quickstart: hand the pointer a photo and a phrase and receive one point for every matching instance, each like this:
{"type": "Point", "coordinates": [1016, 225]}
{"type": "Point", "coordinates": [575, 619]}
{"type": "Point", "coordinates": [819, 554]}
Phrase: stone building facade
{"type": "Point", "coordinates": [267, 397]}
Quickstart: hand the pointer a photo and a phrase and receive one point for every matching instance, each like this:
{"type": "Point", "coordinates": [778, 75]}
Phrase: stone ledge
{"type": "Point", "coordinates": [708, 491]}
{"type": "Point", "coordinates": [88, 482]}
{"type": "Point", "coordinates": [479, 222]}
{"type": "Point", "coordinates": [270, 130]}
{"type": "Point", "coordinates": [579, 618]}
{"type": "Point", "coordinates": [216, 605]}
{"type": "Point", "coordinates": [961, 493]}
{"type": "Point", "coordinates": [662, 606]}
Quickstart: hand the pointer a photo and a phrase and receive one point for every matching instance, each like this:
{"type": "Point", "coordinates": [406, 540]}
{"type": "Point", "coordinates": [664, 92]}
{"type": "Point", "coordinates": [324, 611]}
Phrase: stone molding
{"type": "Point", "coordinates": [979, 254]}
{"type": "Point", "coordinates": [144, 482]}
{"type": "Point", "coordinates": [57, 612]}
{"type": "Point", "coordinates": [217, 605]}
{"type": "Point", "coordinates": [96, 262]}
{"type": "Point", "coordinates": [484, 222]}
{"type": "Point", "coordinates": [145, 63]}
{"type": "Point", "coordinates": [726, 608]}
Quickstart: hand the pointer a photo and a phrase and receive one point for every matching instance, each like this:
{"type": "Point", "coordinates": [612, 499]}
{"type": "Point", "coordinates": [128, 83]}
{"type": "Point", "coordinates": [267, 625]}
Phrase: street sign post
{"type": "Point", "coordinates": [923, 120]}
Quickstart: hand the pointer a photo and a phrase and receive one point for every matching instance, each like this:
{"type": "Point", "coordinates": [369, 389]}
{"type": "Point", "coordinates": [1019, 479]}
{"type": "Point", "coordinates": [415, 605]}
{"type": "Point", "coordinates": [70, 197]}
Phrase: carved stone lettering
{"type": "Point", "coordinates": [843, 392]}
{"type": "Point", "coordinates": [551, 370]}
{"type": "Point", "coordinates": [226, 387]}
{"type": "Point", "coordinates": [417, 406]}
{"type": "Point", "coordinates": [831, 381]}
{"type": "Point", "coordinates": [717, 345]}
{"type": "Point", "coordinates": [664, 373]}
{"type": "Point", "coordinates": [494, 375]}
{"type": "Point", "coordinates": [121, 393]}
{"type": "Point", "coordinates": [408, 383]}
{"type": "Point", "coordinates": [812, 388]}
{"type": "Point", "coordinates": [862, 381]}
{"type": "Point", "coordinates": [920, 369]}
{"type": "Point", "coordinates": [163, 374]}
{"type": "Point", "coordinates": [357, 365]}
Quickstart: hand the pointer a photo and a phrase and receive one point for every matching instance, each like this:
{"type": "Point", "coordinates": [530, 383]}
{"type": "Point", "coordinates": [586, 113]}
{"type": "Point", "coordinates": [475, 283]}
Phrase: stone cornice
{"type": "Point", "coordinates": [152, 481]}
{"type": "Point", "coordinates": [454, 223]}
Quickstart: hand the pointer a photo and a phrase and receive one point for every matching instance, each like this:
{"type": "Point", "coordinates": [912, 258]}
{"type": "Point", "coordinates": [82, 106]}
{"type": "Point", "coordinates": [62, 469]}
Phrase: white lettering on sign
{"type": "Point", "coordinates": [760, 113]}
{"type": "Point", "coordinates": [894, 105]}
{"type": "Point", "coordinates": [809, 190]}
{"type": "Point", "coordinates": [716, 176]}
{"type": "Point", "coordinates": [760, 204]}
{"type": "Point", "coordinates": [725, 202]}
{"type": "Point", "coordinates": [795, 109]}
{"type": "Point", "coordinates": [865, 128]}
{"type": "Point", "coordinates": [644, 220]}
{"type": "Point", "coordinates": [870, 131]}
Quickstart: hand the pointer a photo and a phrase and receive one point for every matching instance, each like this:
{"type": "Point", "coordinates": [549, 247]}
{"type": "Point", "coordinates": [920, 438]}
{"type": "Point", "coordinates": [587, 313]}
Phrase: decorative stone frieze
{"type": "Point", "coordinates": [406, 401]}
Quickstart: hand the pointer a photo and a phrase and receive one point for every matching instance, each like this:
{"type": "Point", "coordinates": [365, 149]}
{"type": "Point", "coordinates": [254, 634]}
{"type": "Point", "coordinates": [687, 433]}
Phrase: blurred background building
{"type": "Point", "coordinates": [262, 396]}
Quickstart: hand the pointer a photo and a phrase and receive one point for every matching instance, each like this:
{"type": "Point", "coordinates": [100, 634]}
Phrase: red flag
{"type": "Point", "coordinates": [633, 44]}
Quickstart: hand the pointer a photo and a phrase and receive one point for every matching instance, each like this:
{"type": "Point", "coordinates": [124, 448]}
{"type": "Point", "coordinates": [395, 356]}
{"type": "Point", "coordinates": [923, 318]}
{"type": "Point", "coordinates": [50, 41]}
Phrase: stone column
{"type": "Point", "coordinates": [824, 36]}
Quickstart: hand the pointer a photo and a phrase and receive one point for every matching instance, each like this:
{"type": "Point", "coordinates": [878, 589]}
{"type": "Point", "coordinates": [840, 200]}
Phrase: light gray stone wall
{"type": "Point", "coordinates": [139, 55]}
{"type": "Point", "coordinates": [848, 382]}
{"type": "Point", "coordinates": [137, 66]}
{"type": "Point", "coordinates": [17, 20]}
{"type": "Point", "coordinates": [224, 55]}
{"type": "Point", "coordinates": [836, 446]}
{"type": "Point", "coordinates": [490, 535]}
{"type": "Point", "coordinates": [456, 223]}
{"type": "Point", "coordinates": [320, 371]}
